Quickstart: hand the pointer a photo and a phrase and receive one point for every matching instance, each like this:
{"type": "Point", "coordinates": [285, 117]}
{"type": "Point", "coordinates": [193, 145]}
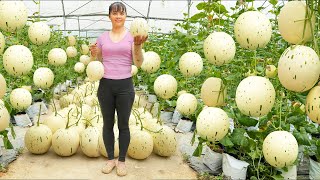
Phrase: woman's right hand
{"type": "Point", "coordinates": [94, 50]}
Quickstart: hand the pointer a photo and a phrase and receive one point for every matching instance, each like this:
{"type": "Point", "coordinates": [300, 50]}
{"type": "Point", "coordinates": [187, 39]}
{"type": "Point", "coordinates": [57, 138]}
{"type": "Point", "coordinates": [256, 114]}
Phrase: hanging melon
{"type": "Point", "coordinates": [190, 64]}
{"type": "Point", "coordinates": [14, 15]}
{"type": "Point", "coordinates": [165, 86]}
{"type": "Point", "coordinates": [39, 33]}
{"type": "Point", "coordinates": [313, 104]}
{"type": "Point", "coordinates": [213, 92]}
{"type": "Point", "coordinates": [299, 68]}
{"type": "Point", "coordinates": [17, 60]}
{"type": "Point", "coordinates": [252, 30]}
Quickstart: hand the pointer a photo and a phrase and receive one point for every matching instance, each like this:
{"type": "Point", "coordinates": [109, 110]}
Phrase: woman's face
{"type": "Point", "coordinates": [117, 18]}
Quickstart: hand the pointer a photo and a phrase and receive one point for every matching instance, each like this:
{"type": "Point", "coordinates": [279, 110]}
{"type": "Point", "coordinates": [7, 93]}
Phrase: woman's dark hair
{"type": "Point", "coordinates": [117, 7]}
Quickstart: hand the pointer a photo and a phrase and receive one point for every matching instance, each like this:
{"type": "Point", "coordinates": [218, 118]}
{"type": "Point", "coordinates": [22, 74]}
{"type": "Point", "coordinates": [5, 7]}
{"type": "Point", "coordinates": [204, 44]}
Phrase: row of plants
{"type": "Point", "coordinates": [289, 110]}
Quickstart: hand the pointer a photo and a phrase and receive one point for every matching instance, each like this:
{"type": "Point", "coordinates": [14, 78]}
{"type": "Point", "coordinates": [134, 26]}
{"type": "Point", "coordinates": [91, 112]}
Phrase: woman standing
{"type": "Point", "coordinates": [117, 49]}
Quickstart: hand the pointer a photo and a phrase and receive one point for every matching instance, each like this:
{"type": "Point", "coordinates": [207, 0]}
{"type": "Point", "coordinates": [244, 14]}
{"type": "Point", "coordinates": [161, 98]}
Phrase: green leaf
{"type": "Point", "coordinates": [238, 138]}
{"type": "Point", "coordinates": [226, 141]}
{"type": "Point", "coordinates": [277, 177]}
{"type": "Point", "coordinates": [198, 151]}
{"type": "Point", "coordinates": [219, 8]}
{"type": "Point", "coordinates": [198, 16]}
{"type": "Point", "coordinates": [7, 143]}
{"type": "Point", "coordinates": [201, 5]}
{"type": "Point", "coordinates": [247, 121]}
{"type": "Point", "coordinates": [302, 137]}
{"type": "Point", "coordinates": [273, 2]}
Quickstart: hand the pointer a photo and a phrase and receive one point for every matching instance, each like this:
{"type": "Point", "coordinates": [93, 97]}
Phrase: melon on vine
{"type": "Point", "coordinates": [71, 40]}
{"type": "Point", "coordinates": [299, 68]}
{"type": "Point", "coordinates": [212, 124]}
{"type": "Point", "coordinates": [38, 139]}
{"type": "Point", "coordinates": [95, 70]}
{"type": "Point", "coordinates": [252, 30]}
{"type": "Point", "coordinates": [4, 116]}
{"type": "Point", "coordinates": [255, 96]}
{"type": "Point", "coordinates": [39, 33]}
{"type": "Point", "coordinates": [139, 27]}
{"type": "Point", "coordinates": [190, 64]}
{"type": "Point", "coordinates": [164, 142]}
{"type": "Point", "coordinates": [43, 78]}
{"type": "Point", "coordinates": [271, 71]}
{"type": "Point", "coordinates": [85, 59]}
{"type": "Point", "coordinates": [2, 43]}
{"type": "Point", "coordinates": [219, 48]}
{"type": "Point", "coordinates": [280, 149]}
{"type": "Point", "coordinates": [151, 62]}
{"type": "Point", "coordinates": [71, 51]}
{"type": "Point", "coordinates": [17, 60]}
{"type": "Point", "coordinates": [213, 92]}
{"type": "Point", "coordinates": [57, 57]}
{"type": "Point", "coordinates": [187, 104]}
{"type": "Point", "coordinates": [134, 70]}
{"type": "Point", "coordinates": [294, 25]}
{"type": "Point", "coordinates": [3, 86]}
{"type": "Point", "coordinates": [20, 98]}
{"type": "Point", "coordinates": [165, 86]}
{"type": "Point", "coordinates": [313, 104]}
{"type": "Point", "coordinates": [84, 49]}
{"type": "Point", "coordinates": [79, 67]}
{"type": "Point", "coordinates": [141, 145]}
{"type": "Point", "coordinates": [14, 15]}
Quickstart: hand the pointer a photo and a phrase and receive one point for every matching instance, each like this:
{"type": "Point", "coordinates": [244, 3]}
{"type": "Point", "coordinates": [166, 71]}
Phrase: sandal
{"type": "Point", "coordinates": [121, 170]}
{"type": "Point", "coordinates": [108, 168]}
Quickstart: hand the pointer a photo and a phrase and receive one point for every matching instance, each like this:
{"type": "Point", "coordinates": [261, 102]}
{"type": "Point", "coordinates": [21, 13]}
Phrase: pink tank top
{"type": "Point", "coordinates": [116, 56]}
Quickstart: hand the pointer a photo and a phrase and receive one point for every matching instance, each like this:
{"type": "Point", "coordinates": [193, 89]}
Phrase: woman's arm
{"type": "Point", "coordinates": [137, 55]}
{"type": "Point", "coordinates": [137, 50]}
{"type": "Point", "coordinates": [95, 53]}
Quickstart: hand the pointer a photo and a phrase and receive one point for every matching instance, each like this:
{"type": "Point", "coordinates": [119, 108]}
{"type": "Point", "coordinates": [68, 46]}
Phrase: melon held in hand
{"type": "Point", "coordinates": [139, 27]}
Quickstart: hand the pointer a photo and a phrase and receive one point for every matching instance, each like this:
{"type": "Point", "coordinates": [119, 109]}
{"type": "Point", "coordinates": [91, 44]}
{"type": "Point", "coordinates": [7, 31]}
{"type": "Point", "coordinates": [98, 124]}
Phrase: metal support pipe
{"type": "Point", "coordinates": [64, 17]}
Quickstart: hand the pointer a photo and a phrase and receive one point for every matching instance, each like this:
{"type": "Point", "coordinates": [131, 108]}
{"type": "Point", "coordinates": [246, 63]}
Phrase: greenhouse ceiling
{"type": "Point", "coordinates": [89, 18]}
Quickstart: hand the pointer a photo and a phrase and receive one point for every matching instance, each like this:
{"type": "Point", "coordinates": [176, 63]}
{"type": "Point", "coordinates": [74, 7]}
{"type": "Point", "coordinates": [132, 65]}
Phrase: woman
{"type": "Point", "coordinates": [117, 49]}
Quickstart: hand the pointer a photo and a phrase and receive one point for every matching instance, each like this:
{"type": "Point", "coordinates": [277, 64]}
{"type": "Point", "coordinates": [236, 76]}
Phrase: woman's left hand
{"type": "Point", "coordinates": [138, 40]}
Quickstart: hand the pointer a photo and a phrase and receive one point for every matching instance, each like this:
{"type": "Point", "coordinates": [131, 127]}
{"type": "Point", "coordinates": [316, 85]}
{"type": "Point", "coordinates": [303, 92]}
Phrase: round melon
{"type": "Point", "coordinates": [39, 33]}
{"type": "Point", "coordinates": [255, 96]}
{"type": "Point", "coordinates": [57, 57]}
{"type": "Point", "coordinates": [84, 49]}
{"type": "Point", "coordinates": [65, 142]}
{"type": "Point", "coordinates": [2, 43]}
{"type": "Point", "coordinates": [313, 104]}
{"type": "Point", "coordinates": [271, 71]}
{"type": "Point", "coordinates": [141, 145]}
{"type": "Point", "coordinates": [38, 139]}
{"type": "Point", "coordinates": [212, 124]}
{"type": "Point", "coordinates": [85, 59]}
{"type": "Point", "coordinates": [139, 27]}
{"type": "Point", "coordinates": [20, 98]}
{"type": "Point", "coordinates": [151, 62]}
{"type": "Point", "coordinates": [79, 67]}
{"type": "Point", "coordinates": [17, 60]}
{"type": "Point", "coordinates": [71, 40]}
{"type": "Point", "coordinates": [134, 70]}
{"type": "Point", "coordinates": [280, 149]}
{"type": "Point", "coordinates": [213, 92]}
{"type": "Point", "coordinates": [89, 142]}
{"type": "Point", "coordinates": [54, 122]}
{"type": "Point", "coordinates": [181, 92]}
{"type": "Point", "coordinates": [164, 142]}
{"type": "Point", "coordinates": [95, 70]}
{"type": "Point", "coordinates": [165, 86]}
{"type": "Point", "coordinates": [294, 26]}
{"type": "Point", "coordinates": [219, 48]}
{"type": "Point", "coordinates": [14, 15]}
{"type": "Point", "coordinates": [299, 68]}
{"type": "Point", "coordinates": [252, 30]}
{"type": "Point", "coordinates": [190, 64]}
{"type": "Point", "coordinates": [71, 51]}
{"type": "Point", "coordinates": [187, 104]}
{"type": "Point", "coordinates": [3, 86]}
{"type": "Point", "coordinates": [43, 78]}
{"type": "Point", "coordinates": [4, 116]}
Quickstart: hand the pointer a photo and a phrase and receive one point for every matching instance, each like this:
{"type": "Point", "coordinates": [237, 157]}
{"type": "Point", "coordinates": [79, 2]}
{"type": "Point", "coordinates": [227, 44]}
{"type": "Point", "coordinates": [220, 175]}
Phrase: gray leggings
{"type": "Point", "coordinates": [116, 95]}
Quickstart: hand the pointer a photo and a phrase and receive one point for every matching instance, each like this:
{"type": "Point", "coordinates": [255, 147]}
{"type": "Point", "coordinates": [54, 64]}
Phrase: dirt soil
{"type": "Point", "coordinates": [79, 166]}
